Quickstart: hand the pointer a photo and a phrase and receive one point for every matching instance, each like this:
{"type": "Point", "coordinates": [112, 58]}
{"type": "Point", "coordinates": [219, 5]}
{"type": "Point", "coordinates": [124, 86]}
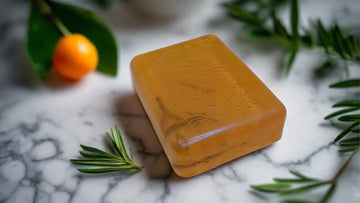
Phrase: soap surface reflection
{"type": "Point", "coordinates": [205, 104]}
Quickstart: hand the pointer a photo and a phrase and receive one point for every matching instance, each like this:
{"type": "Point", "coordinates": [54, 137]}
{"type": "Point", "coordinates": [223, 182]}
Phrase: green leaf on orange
{"type": "Point", "coordinates": [42, 36]}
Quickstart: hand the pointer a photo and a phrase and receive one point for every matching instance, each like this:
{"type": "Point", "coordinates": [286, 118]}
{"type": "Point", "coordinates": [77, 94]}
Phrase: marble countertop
{"type": "Point", "coordinates": [43, 124]}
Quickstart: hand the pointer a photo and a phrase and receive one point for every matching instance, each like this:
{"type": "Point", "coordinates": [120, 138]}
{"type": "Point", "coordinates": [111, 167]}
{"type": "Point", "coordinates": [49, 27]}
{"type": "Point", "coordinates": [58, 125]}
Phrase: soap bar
{"type": "Point", "coordinates": [205, 104]}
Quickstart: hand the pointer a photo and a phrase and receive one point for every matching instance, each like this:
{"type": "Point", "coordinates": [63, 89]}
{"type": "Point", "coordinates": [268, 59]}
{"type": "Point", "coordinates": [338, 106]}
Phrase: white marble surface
{"type": "Point", "coordinates": [42, 124]}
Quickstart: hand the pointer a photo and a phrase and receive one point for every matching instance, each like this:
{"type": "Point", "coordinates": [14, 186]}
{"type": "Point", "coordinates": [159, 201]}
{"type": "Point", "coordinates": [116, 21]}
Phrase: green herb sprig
{"type": "Point", "coordinates": [101, 162]}
{"type": "Point", "coordinates": [261, 20]}
{"type": "Point", "coordinates": [348, 141]}
{"type": "Point", "coordinates": [289, 187]}
{"type": "Point", "coordinates": [340, 46]}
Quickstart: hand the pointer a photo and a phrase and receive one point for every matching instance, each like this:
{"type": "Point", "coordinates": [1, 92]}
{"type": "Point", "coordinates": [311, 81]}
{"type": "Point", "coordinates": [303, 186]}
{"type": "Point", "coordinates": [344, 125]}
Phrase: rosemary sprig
{"type": "Point", "coordinates": [261, 20]}
{"type": "Point", "coordinates": [288, 187]}
{"type": "Point", "coordinates": [348, 141]}
{"type": "Point", "coordinates": [101, 162]}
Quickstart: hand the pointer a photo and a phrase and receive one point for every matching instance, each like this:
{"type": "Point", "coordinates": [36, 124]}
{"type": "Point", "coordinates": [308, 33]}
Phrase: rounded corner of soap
{"type": "Point", "coordinates": [135, 60]}
{"type": "Point", "coordinates": [283, 109]}
{"type": "Point", "coordinates": [182, 173]}
{"type": "Point", "coordinates": [212, 37]}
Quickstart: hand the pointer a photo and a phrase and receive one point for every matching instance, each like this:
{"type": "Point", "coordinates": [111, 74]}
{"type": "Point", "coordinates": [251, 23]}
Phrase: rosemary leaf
{"type": "Point", "coordinates": [348, 103]}
{"type": "Point", "coordinates": [110, 136]}
{"type": "Point", "coordinates": [122, 146]}
{"type": "Point", "coordinates": [96, 162]}
{"type": "Point", "coordinates": [346, 131]}
{"type": "Point", "coordinates": [304, 188]}
{"type": "Point", "coordinates": [289, 180]}
{"type": "Point", "coordinates": [349, 47]}
{"type": "Point", "coordinates": [240, 14]}
{"type": "Point", "coordinates": [351, 140]}
{"type": "Point", "coordinates": [274, 187]}
{"type": "Point", "coordinates": [293, 200]}
{"type": "Point", "coordinates": [356, 130]}
{"type": "Point", "coordinates": [92, 155]}
{"type": "Point", "coordinates": [346, 84]}
{"type": "Point", "coordinates": [326, 67]}
{"type": "Point", "coordinates": [92, 149]}
{"type": "Point", "coordinates": [103, 169]}
{"type": "Point", "coordinates": [294, 16]}
{"type": "Point", "coordinates": [356, 46]}
{"type": "Point", "coordinates": [311, 33]}
{"type": "Point", "coordinates": [279, 27]}
{"type": "Point", "coordinates": [328, 193]}
{"type": "Point", "coordinates": [295, 173]}
{"type": "Point", "coordinates": [99, 152]}
{"type": "Point", "coordinates": [115, 141]}
{"type": "Point", "coordinates": [350, 118]}
{"type": "Point", "coordinates": [343, 111]}
{"type": "Point", "coordinates": [323, 36]}
{"type": "Point", "coordinates": [350, 149]}
{"type": "Point", "coordinates": [350, 144]}
{"type": "Point", "coordinates": [338, 41]}
{"type": "Point", "coordinates": [289, 60]}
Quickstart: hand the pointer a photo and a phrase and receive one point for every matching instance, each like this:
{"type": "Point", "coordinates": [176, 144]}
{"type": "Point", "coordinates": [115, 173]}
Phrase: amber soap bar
{"type": "Point", "coordinates": [205, 104]}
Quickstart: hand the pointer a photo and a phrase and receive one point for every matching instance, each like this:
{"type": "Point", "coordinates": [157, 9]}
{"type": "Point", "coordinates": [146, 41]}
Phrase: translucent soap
{"type": "Point", "coordinates": [205, 104]}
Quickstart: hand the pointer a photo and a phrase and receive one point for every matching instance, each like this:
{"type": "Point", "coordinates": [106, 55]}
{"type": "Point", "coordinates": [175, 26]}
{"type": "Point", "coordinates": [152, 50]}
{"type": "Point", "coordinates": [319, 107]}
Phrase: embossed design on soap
{"type": "Point", "coordinates": [193, 85]}
{"type": "Point", "coordinates": [163, 55]}
{"type": "Point", "coordinates": [172, 122]}
{"type": "Point", "coordinates": [206, 91]}
{"type": "Point", "coordinates": [243, 98]}
{"type": "Point", "coordinates": [204, 104]}
{"type": "Point", "coordinates": [192, 82]}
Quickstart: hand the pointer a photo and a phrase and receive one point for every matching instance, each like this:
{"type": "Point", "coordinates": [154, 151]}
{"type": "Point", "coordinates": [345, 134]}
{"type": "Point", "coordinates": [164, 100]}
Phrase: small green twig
{"type": "Point", "coordinates": [286, 186]}
{"type": "Point", "coordinates": [47, 11]}
{"type": "Point", "coordinates": [348, 140]}
{"type": "Point", "coordinates": [334, 41]}
{"type": "Point", "coordinates": [101, 162]}
{"type": "Point", "coordinates": [342, 169]}
{"type": "Point", "coordinates": [341, 47]}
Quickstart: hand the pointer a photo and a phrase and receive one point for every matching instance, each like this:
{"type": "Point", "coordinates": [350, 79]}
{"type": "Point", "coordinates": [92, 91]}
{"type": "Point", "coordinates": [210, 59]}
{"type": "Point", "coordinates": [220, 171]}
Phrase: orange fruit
{"type": "Point", "coordinates": [75, 56]}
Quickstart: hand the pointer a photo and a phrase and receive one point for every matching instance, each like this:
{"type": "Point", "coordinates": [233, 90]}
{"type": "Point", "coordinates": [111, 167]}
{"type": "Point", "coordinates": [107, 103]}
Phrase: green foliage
{"type": "Point", "coordinates": [346, 84]}
{"type": "Point", "coordinates": [41, 39]}
{"type": "Point", "coordinates": [102, 162]}
{"type": "Point", "coordinates": [348, 139]}
{"type": "Point", "coordinates": [260, 19]}
{"type": "Point", "coordinates": [256, 15]}
{"type": "Point", "coordinates": [288, 188]}
{"type": "Point", "coordinates": [103, 3]}
{"type": "Point", "coordinates": [44, 31]}
{"type": "Point", "coordinates": [79, 20]}
{"type": "Point", "coordinates": [285, 187]}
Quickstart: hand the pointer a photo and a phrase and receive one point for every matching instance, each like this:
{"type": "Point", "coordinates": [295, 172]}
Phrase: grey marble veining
{"type": "Point", "coordinates": [42, 124]}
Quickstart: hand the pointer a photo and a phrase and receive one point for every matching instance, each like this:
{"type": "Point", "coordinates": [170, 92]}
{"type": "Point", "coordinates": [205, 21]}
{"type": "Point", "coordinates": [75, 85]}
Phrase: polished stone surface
{"type": "Point", "coordinates": [42, 124]}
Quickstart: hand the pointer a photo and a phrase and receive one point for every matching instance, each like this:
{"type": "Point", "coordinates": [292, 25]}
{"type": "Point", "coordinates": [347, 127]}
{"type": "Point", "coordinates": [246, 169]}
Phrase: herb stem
{"type": "Point", "coordinates": [342, 169]}
{"type": "Point", "coordinates": [134, 165]}
{"type": "Point", "coordinates": [47, 11]}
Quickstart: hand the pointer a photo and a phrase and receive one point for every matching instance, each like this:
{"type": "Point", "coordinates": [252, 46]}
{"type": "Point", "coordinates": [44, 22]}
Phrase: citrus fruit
{"type": "Point", "coordinates": [75, 56]}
